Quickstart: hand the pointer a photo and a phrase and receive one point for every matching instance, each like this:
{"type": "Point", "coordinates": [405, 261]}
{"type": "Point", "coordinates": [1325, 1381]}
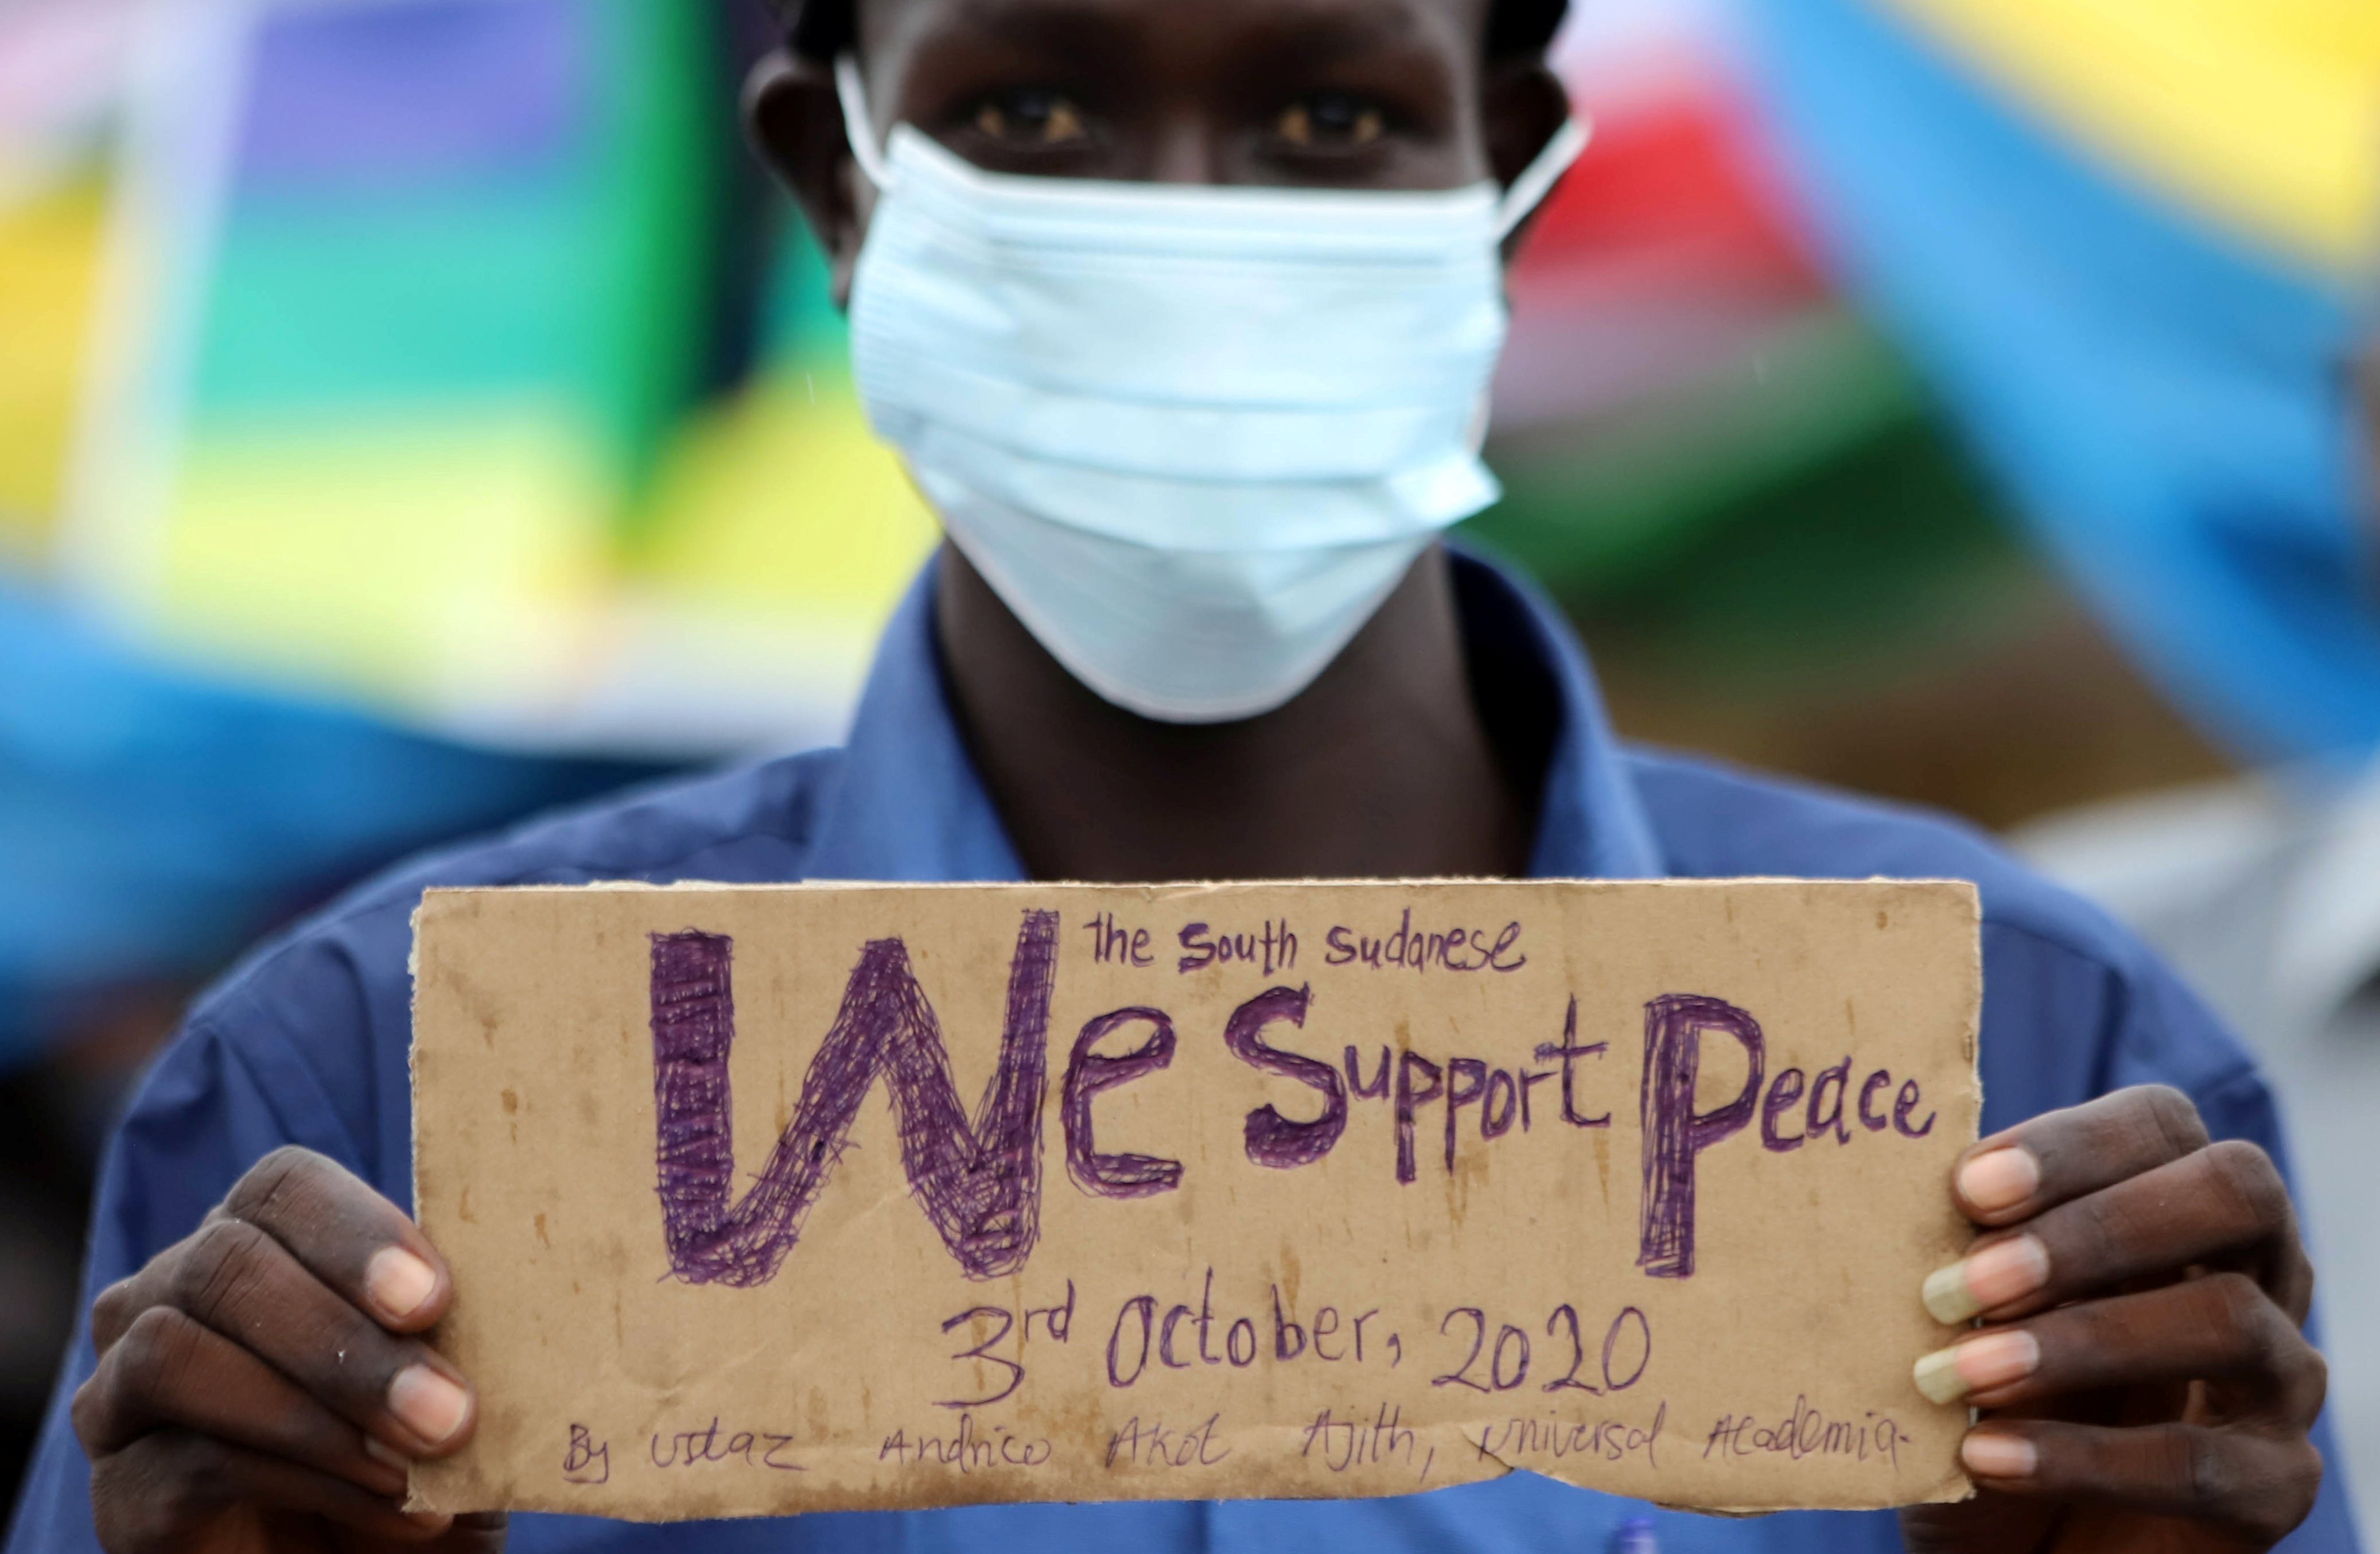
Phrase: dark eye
{"type": "Point", "coordinates": [1330, 121]}
{"type": "Point", "coordinates": [1031, 118]}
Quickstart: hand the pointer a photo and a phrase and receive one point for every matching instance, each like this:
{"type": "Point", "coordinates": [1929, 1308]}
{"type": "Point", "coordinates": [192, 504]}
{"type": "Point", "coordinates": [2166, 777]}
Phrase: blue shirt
{"type": "Point", "coordinates": [306, 1043]}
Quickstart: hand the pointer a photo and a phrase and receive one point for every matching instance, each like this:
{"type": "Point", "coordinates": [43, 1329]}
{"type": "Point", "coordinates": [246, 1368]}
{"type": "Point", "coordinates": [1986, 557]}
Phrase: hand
{"type": "Point", "coordinates": [256, 1393]}
{"type": "Point", "coordinates": [2142, 1370]}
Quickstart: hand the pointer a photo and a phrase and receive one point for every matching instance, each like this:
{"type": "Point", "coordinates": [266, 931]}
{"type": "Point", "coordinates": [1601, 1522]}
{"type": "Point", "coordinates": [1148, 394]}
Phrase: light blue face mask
{"type": "Point", "coordinates": [1194, 436]}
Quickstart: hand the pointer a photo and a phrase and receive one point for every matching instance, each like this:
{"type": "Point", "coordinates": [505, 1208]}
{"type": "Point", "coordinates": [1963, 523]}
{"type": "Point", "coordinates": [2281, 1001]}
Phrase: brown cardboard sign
{"type": "Point", "coordinates": [770, 1199]}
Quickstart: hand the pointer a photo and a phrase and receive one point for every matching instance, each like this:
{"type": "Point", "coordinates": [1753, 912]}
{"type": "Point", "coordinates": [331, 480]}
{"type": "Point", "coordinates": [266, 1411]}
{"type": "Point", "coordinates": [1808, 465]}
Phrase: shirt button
{"type": "Point", "coordinates": [1634, 1536]}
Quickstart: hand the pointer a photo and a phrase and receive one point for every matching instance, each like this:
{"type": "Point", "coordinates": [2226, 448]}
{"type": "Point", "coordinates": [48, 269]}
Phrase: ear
{"type": "Point", "coordinates": [794, 120]}
{"type": "Point", "coordinates": [1523, 104]}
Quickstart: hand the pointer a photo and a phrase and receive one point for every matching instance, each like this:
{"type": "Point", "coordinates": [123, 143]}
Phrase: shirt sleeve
{"type": "Point", "coordinates": [199, 1121]}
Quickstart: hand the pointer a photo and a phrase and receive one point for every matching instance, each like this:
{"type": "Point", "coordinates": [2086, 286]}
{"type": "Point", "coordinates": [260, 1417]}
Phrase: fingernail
{"type": "Point", "coordinates": [1978, 1365]}
{"type": "Point", "coordinates": [429, 1405]}
{"type": "Point", "coordinates": [398, 1282]}
{"type": "Point", "coordinates": [1995, 1454]}
{"type": "Point", "coordinates": [2004, 1271]}
{"type": "Point", "coordinates": [2000, 1178]}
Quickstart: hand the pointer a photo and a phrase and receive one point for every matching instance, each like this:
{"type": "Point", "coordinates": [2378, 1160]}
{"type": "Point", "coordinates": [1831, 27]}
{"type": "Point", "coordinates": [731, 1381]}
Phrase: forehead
{"type": "Point", "coordinates": [1182, 32]}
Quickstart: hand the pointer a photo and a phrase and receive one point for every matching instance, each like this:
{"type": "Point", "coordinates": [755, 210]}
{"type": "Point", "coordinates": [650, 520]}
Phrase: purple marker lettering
{"type": "Point", "coordinates": [1903, 1104]}
{"type": "Point", "coordinates": [1492, 1125]}
{"type": "Point", "coordinates": [1408, 1097]}
{"type": "Point", "coordinates": [1674, 1132]}
{"type": "Point", "coordinates": [1569, 1052]}
{"type": "Point", "coordinates": [1782, 1093]}
{"type": "Point", "coordinates": [1823, 1117]}
{"type": "Point", "coordinates": [978, 1181]}
{"type": "Point", "coordinates": [1088, 1074]}
{"type": "Point", "coordinates": [1459, 1095]}
{"type": "Point", "coordinates": [1530, 1080]}
{"type": "Point", "coordinates": [1874, 1122]}
{"type": "Point", "coordinates": [1147, 1306]}
{"type": "Point", "coordinates": [1273, 1139]}
{"type": "Point", "coordinates": [1284, 1330]}
{"type": "Point", "coordinates": [1379, 1088]}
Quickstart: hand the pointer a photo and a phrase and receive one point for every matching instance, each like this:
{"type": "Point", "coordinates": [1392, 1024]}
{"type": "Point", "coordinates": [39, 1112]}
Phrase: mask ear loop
{"type": "Point", "coordinates": [857, 127]}
{"type": "Point", "coordinates": [1538, 181]}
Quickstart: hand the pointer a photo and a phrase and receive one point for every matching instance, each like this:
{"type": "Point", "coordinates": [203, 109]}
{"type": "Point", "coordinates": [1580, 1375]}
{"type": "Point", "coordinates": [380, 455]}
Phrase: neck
{"type": "Point", "coordinates": [1382, 769]}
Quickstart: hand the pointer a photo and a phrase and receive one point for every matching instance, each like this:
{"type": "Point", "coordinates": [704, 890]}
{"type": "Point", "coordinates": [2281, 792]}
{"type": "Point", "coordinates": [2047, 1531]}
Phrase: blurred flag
{"type": "Point", "coordinates": [373, 460]}
{"type": "Point", "coordinates": [61, 65]}
{"type": "Point", "coordinates": [412, 307]}
{"type": "Point", "coordinates": [2133, 244]}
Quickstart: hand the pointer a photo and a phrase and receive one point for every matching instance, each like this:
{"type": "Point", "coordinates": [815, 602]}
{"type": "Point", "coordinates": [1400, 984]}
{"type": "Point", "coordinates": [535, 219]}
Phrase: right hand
{"type": "Point", "coordinates": [258, 1389]}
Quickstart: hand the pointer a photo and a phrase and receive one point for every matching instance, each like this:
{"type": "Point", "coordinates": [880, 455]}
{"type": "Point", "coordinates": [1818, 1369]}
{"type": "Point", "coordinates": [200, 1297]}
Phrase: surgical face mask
{"type": "Point", "coordinates": [1193, 436]}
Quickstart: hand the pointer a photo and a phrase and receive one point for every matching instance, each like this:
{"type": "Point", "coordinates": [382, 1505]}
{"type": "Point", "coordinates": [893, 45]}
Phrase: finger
{"type": "Point", "coordinates": [169, 1371]}
{"type": "Point", "coordinates": [160, 1493]}
{"type": "Point", "coordinates": [2061, 1156]}
{"type": "Point", "coordinates": [240, 1281]}
{"type": "Point", "coordinates": [2255, 1486]}
{"type": "Point", "coordinates": [2224, 1206]}
{"type": "Point", "coordinates": [352, 1239]}
{"type": "Point", "coordinates": [348, 1235]}
{"type": "Point", "coordinates": [2222, 1329]}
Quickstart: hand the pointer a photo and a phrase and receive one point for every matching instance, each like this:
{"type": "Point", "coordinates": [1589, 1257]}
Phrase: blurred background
{"type": "Point", "coordinates": [418, 413]}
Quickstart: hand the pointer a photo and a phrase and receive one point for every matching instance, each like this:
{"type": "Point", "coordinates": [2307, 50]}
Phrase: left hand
{"type": "Point", "coordinates": [2144, 1376]}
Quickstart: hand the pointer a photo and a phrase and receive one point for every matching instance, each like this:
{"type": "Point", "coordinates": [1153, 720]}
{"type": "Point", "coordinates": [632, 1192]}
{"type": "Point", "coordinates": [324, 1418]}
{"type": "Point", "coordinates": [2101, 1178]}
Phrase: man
{"type": "Point", "coordinates": [1180, 315]}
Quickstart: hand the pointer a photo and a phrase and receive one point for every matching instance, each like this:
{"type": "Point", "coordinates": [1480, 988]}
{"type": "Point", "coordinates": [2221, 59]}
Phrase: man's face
{"type": "Point", "coordinates": [1342, 94]}
{"type": "Point", "coordinates": [1382, 94]}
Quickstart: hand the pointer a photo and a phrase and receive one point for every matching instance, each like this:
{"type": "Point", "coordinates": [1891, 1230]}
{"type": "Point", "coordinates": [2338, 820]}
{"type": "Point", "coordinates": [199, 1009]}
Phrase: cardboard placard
{"type": "Point", "coordinates": [770, 1199]}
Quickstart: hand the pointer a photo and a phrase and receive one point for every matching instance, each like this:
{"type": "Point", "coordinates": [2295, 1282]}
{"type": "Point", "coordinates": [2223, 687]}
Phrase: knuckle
{"type": "Point", "coordinates": [191, 1488]}
{"type": "Point", "coordinates": [159, 1493]}
{"type": "Point", "coordinates": [2168, 1115]}
{"type": "Point", "coordinates": [2305, 1376]}
{"type": "Point", "coordinates": [93, 1409]}
{"type": "Point", "coordinates": [2209, 1474]}
{"type": "Point", "coordinates": [115, 1307]}
{"type": "Point", "coordinates": [2251, 1486]}
{"type": "Point", "coordinates": [156, 1352]}
{"type": "Point", "coordinates": [121, 1514]}
{"type": "Point", "coordinates": [270, 1182]}
{"type": "Point", "coordinates": [2301, 1486]}
{"type": "Point", "coordinates": [223, 1262]}
{"type": "Point", "coordinates": [2282, 1495]}
{"type": "Point", "coordinates": [2245, 1176]}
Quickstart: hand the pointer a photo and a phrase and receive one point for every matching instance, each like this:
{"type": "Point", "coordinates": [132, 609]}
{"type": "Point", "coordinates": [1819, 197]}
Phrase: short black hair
{"type": "Point", "coordinates": [823, 29]}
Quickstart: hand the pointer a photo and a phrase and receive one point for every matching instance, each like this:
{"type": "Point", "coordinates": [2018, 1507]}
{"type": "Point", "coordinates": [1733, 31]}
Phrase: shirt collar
{"type": "Point", "coordinates": [911, 806]}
